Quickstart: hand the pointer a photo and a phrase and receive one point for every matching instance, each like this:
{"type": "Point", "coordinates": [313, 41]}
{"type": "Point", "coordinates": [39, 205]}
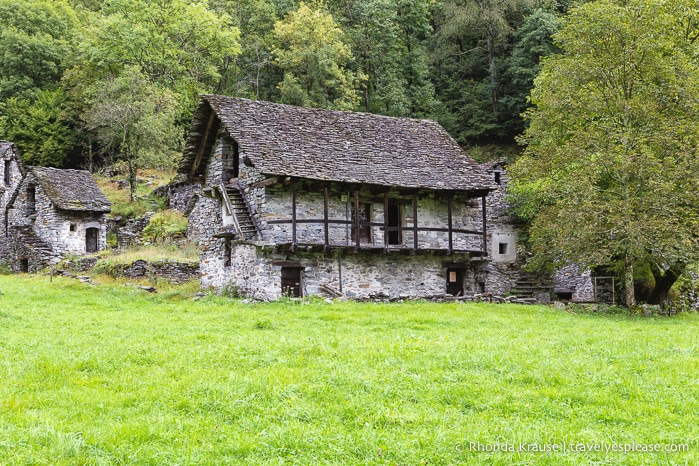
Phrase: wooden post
{"type": "Point", "coordinates": [202, 144]}
{"type": "Point", "coordinates": [485, 228]}
{"type": "Point", "coordinates": [356, 221]}
{"type": "Point", "coordinates": [293, 215]}
{"type": "Point", "coordinates": [326, 247]}
{"type": "Point", "coordinates": [415, 241]}
{"type": "Point", "coordinates": [450, 203]}
{"type": "Point", "coordinates": [385, 222]}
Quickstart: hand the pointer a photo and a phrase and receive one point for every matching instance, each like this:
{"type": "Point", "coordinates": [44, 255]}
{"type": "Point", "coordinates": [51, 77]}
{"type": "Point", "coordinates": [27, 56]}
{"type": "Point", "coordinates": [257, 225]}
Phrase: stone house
{"type": "Point", "coordinates": [48, 213]}
{"type": "Point", "coordinates": [301, 201]}
{"type": "Point", "coordinates": [11, 171]}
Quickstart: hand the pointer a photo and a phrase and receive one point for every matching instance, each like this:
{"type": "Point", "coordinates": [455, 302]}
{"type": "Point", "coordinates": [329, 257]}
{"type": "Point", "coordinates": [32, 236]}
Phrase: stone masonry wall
{"type": "Point", "coordinates": [257, 273]}
{"type": "Point", "coordinates": [570, 277]}
{"type": "Point", "coordinates": [6, 191]}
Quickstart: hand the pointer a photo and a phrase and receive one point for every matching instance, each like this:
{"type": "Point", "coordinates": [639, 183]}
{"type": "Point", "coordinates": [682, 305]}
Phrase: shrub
{"type": "Point", "coordinates": [165, 225]}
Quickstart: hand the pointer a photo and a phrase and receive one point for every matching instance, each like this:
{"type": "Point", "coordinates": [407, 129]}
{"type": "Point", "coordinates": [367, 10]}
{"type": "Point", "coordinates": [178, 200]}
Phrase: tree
{"type": "Point", "coordinates": [43, 128]}
{"type": "Point", "coordinates": [35, 41]}
{"type": "Point", "coordinates": [388, 40]}
{"type": "Point", "coordinates": [178, 44]}
{"type": "Point", "coordinates": [135, 119]}
{"type": "Point", "coordinates": [610, 175]}
{"type": "Point", "coordinates": [312, 52]}
{"type": "Point", "coordinates": [471, 42]}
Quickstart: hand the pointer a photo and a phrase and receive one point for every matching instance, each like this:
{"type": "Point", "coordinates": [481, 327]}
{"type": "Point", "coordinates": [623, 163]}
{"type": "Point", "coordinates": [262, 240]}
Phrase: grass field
{"type": "Point", "coordinates": [113, 375]}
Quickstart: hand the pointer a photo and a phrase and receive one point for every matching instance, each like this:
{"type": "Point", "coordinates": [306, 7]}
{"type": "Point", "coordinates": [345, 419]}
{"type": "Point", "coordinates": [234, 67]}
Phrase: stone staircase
{"type": "Point", "coordinates": [236, 204]}
{"type": "Point", "coordinates": [530, 286]}
{"type": "Point", "coordinates": [25, 236]}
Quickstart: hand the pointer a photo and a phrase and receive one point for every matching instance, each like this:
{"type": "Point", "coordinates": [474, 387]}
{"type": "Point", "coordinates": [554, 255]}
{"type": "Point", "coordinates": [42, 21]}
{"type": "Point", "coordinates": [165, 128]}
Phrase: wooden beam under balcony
{"type": "Point", "coordinates": [293, 215]}
{"type": "Point", "coordinates": [450, 205]}
{"type": "Point", "coordinates": [357, 226]}
{"type": "Point", "coordinates": [415, 228]}
{"type": "Point", "coordinates": [385, 221]}
{"type": "Point", "coordinates": [485, 233]}
{"type": "Point", "coordinates": [326, 234]}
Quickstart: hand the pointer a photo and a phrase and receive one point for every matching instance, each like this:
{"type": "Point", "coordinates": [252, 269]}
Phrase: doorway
{"type": "Point", "coordinates": [455, 282]}
{"type": "Point", "coordinates": [92, 240]}
{"type": "Point", "coordinates": [291, 282]}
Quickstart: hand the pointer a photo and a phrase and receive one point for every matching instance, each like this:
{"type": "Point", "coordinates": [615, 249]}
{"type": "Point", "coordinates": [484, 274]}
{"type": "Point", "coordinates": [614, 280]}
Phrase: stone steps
{"type": "Point", "coordinates": [532, 285]}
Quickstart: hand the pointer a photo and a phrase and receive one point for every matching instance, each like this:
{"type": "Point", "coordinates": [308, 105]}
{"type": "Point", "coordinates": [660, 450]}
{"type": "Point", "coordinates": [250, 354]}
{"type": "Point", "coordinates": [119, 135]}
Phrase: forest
{"type": "Point", "coordinates": [84, 83]}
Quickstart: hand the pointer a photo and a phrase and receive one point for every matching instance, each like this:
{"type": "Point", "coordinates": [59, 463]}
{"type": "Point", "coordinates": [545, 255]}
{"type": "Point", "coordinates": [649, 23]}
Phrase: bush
{"type": "Point", "coordinates": [164, 226]}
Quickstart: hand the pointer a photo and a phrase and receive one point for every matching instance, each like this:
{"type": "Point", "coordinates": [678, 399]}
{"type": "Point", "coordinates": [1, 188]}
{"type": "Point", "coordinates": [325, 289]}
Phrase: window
{"type": "Point", "coordinates": [72, 227]}
{"type": "Point", "coordinates": [291, 282]}
{"type": "Point", "coordinates": [394, 221]}
{"type": "Point", "coordinates": [31, 199]}
{"type": "Point", "coordinates": [497, 177]}
{"type": "Point", "coordinates": [24, 265]}
{"type": "Point", "coordinates": [227, 251]}
{"type": "Point", "coordinates": [8, 172]}
{"type": "Point", "coordinates": [502, 248]}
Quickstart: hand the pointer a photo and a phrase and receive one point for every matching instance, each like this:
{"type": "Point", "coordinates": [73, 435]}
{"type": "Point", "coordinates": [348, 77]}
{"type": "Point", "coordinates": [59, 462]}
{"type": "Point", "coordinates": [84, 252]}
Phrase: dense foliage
{"type": "Point", "coordinates": [609, 175]}
{"type": "Point", "coordinates": [467, 63]}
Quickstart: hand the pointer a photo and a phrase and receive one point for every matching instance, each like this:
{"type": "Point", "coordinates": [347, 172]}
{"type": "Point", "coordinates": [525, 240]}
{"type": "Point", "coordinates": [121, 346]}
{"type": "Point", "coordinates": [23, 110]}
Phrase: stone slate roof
{"type": "Point", "coordinates": [72, 189]}
{"type": "Point", "coordinates": [338, 146]}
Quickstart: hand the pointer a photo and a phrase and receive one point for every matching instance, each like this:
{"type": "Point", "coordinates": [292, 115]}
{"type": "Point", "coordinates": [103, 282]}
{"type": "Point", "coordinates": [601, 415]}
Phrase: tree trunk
{"type": "Point", "coordinates": [492, 72]}
{"type": "Point", "coordinates": [132, 181]}
{"type": "Point", "coordinates": [628, 282]}
{"type": "Point", "coordinates": [663, 282]}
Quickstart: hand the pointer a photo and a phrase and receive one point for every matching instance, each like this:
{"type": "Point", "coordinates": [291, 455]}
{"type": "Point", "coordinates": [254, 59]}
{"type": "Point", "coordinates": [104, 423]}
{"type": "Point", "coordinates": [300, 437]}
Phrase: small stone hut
{"type": "Point", "coordinates": [301, 201]}
{"type": "Point", "coordinates": [50, 213]}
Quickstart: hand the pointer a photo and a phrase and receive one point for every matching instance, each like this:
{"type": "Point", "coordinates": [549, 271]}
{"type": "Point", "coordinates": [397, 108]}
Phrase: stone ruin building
{"type": "Point", "coordinates": [47, 213]}
{"type": "Point", "coordinates": [303, 201]}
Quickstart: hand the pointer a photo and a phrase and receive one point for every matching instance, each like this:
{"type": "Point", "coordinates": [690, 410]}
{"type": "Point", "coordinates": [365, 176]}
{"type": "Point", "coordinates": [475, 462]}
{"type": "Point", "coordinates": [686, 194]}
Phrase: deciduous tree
{"type": "Point", "coordinates": [312, 51]}
{"type": "Point", "coordinates": [611, 171]}
{"type": "Point", "coordinates": [134, 119]}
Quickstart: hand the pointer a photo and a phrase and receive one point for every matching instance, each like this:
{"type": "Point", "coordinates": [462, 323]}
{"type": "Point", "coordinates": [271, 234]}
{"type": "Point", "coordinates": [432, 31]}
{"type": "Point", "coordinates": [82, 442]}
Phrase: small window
{"type": "Point", "coordinates": [31, 199]}
{"type": "Point", "coordinates": [73, 227]}
{"type": "Point", "coordinates": [227, 251]}
{"type": "Point", "coordinates": [497, 177]}
{"type": "Point", "coordinates": [452, 276]}
{"type": "Point", "coordinates": [502, 248]}
{"type": "Point", "coordinates": [8, 172]}
{"type": "Point", "coordinates": [24, 265]}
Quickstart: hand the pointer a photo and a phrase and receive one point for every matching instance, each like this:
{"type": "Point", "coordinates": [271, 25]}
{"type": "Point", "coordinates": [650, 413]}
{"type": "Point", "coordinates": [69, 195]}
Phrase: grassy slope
{"type": "Point", "coordinates": [112, 375]}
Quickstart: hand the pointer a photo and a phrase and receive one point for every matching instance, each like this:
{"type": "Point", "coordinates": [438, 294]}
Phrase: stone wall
{"type": "Point", "coordinates": [6, 191]}
{"type": "Point", "coordinates": [579, 283]}
{"type": "Point", "coordinates": [256, 272]}
{"type": "Point", "coordinates": [131, 232]}
{"type": "Point", "coordinates": [180, 196]}
{"type": "Point", "coordinates": [176, 272]}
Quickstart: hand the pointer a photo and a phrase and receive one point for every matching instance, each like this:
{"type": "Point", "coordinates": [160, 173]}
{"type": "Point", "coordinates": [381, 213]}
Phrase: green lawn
{"type": "Point", "coordinates": [113, 375]}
